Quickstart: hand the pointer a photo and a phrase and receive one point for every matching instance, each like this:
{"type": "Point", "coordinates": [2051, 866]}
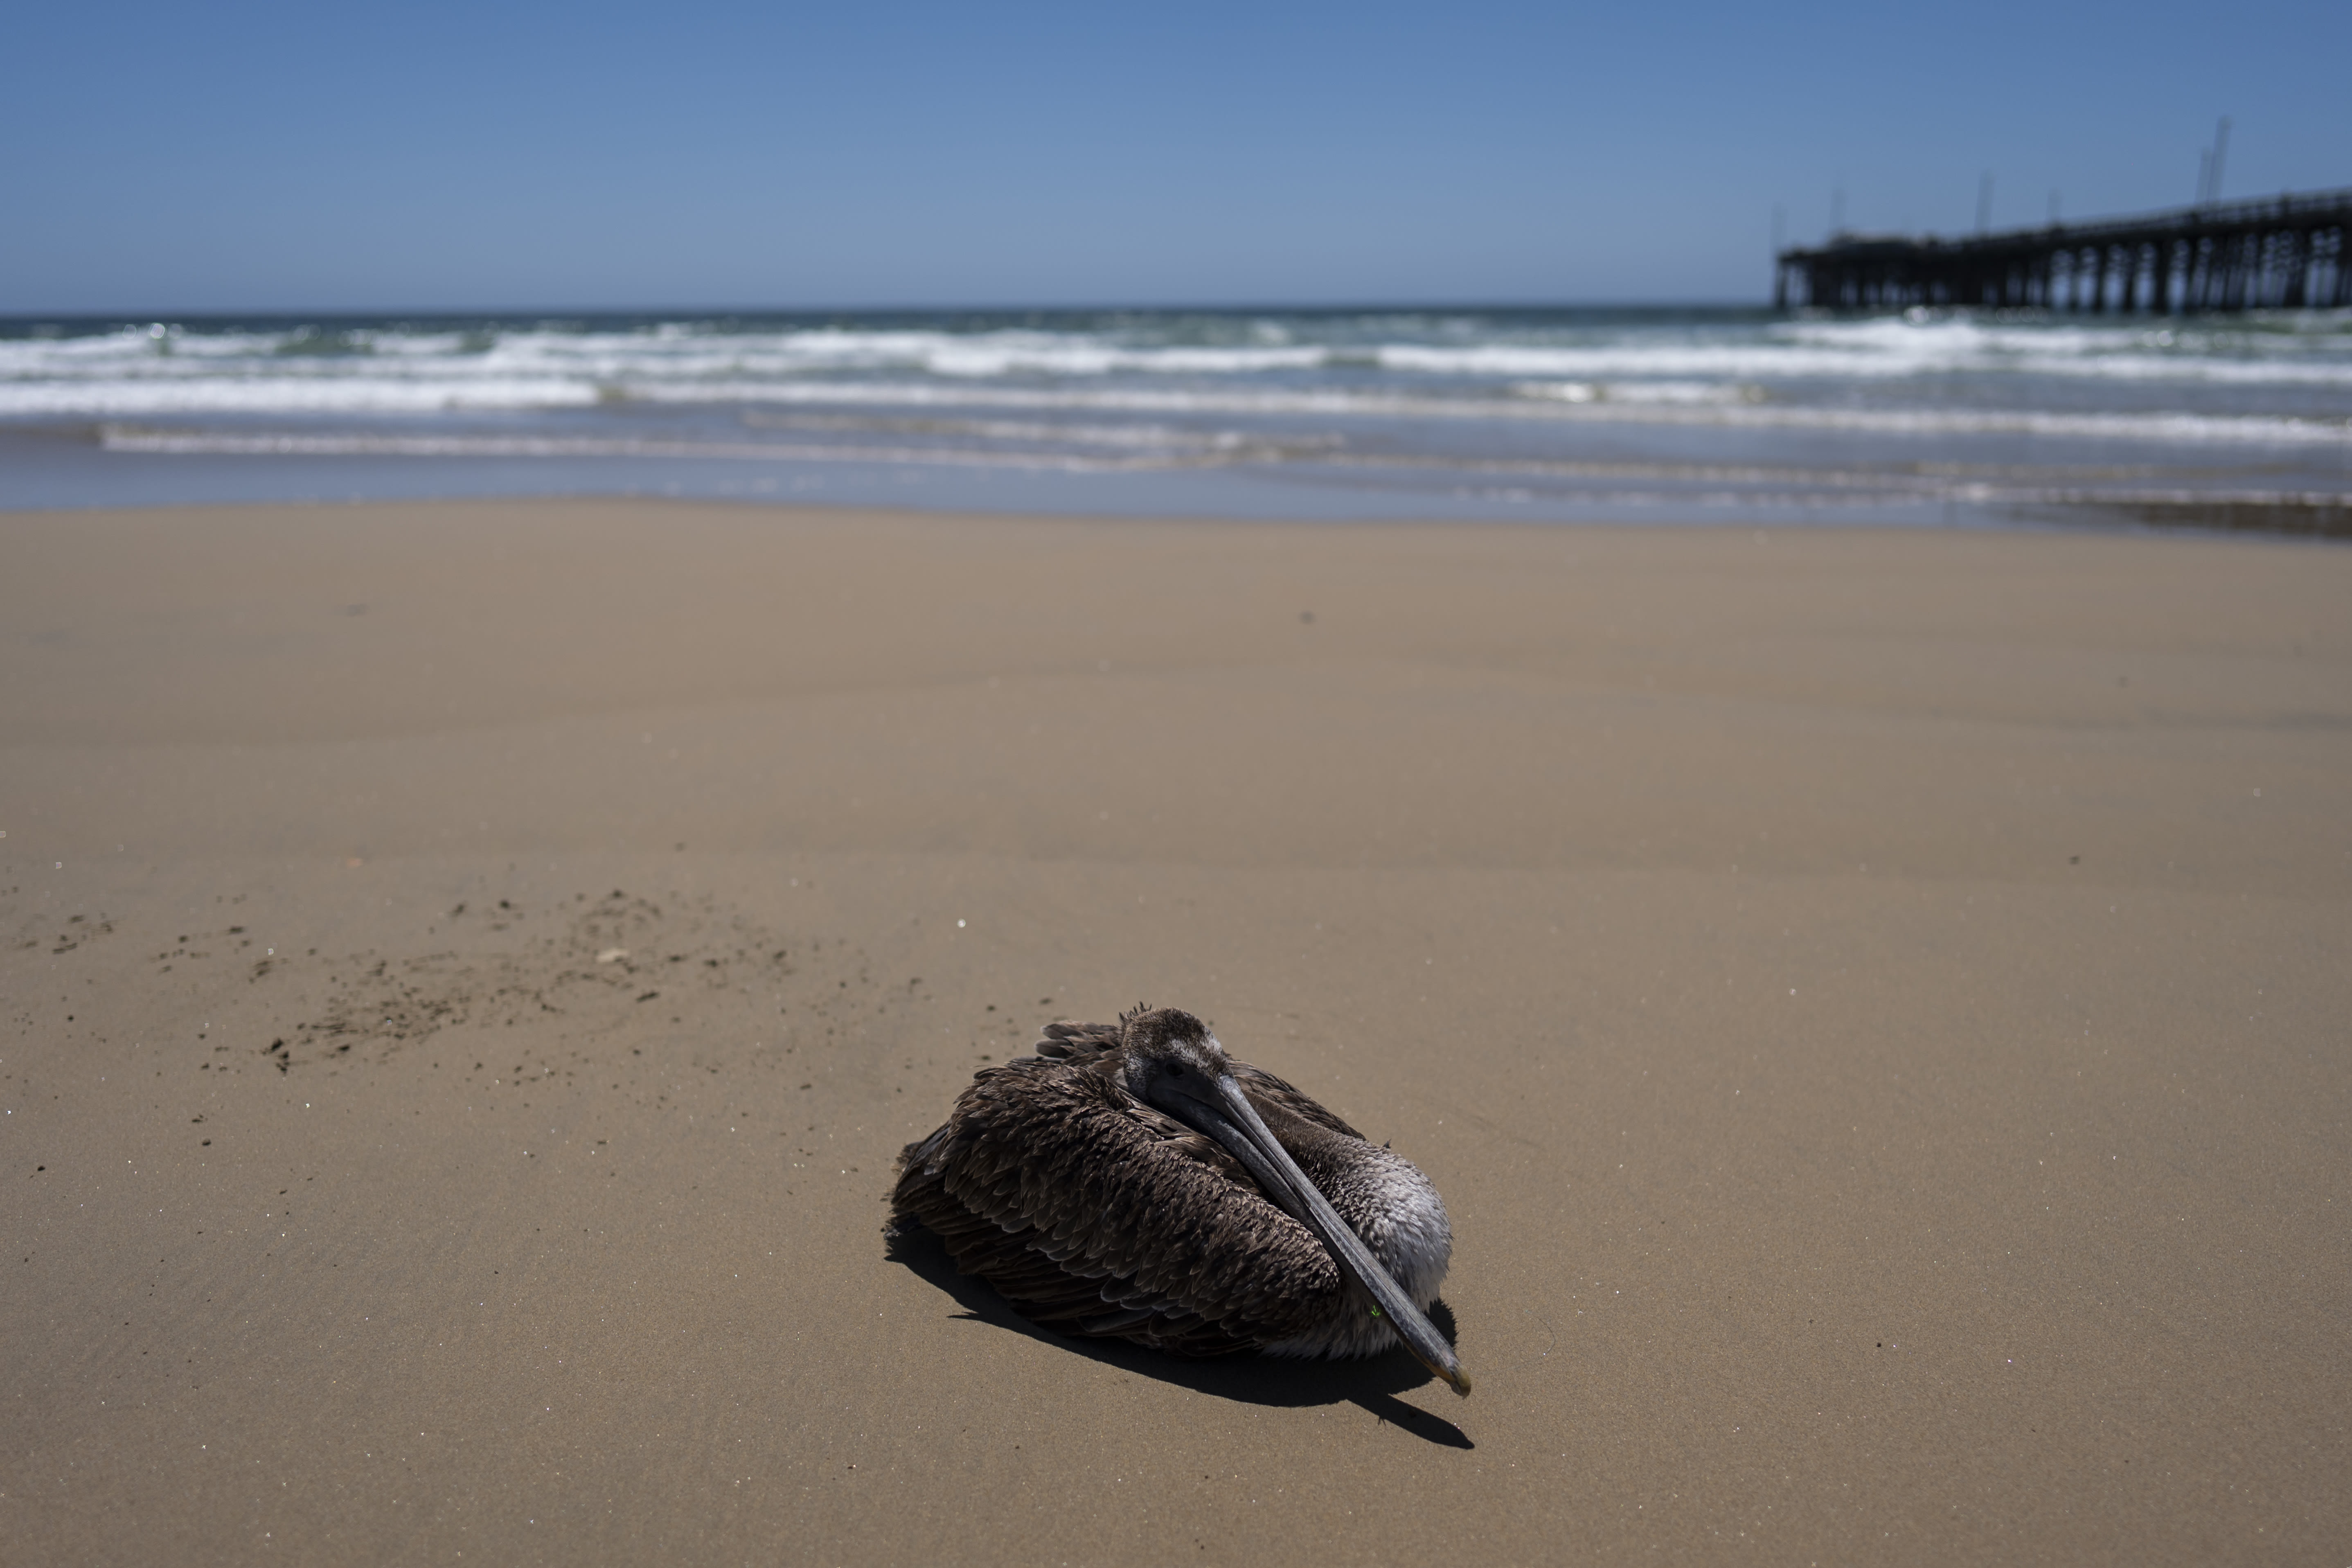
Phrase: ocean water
{"type": "Point", "coordinates": [1728, 415]}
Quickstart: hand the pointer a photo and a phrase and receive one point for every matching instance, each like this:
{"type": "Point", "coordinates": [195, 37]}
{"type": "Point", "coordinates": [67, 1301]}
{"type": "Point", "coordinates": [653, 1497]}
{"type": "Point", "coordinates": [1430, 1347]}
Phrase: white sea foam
{"type": "Point", "coordinates": [1685, 404]}
{"type": "Point", "coordinates": [685, 360]}
{"type": "Point", "coordinates": [1546, 401]}
{"type": "Point", "coordinates": [2156, 427]}
{"type": "Point", "coordinates": [1641, 392]}
{"type": "Point", "coordinates": [1731, 361]}
{"type": "Point", "coordinates": [2139, 352]}
{"type": "Point", "coordinates": [1510, 408]}
{"type": "Point", "coordinates": [1590, 487]}
{"type": "Point", "coordinates": [286, 395]}
{"type": "Point", "coordinates": [1133, 436]}
{"type": "Point", "coordinates": [309, 444]}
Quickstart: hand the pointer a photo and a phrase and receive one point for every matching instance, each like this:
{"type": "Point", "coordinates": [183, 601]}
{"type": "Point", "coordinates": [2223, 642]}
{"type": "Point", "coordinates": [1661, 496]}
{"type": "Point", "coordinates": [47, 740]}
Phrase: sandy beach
{"type": "Point", "coordinates": [1874, 1002]}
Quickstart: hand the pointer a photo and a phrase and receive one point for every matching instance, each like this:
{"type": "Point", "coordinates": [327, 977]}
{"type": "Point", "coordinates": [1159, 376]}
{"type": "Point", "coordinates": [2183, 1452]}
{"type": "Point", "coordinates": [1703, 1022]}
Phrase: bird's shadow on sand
{"type": "Point", "coordinates": [1371, 1384]}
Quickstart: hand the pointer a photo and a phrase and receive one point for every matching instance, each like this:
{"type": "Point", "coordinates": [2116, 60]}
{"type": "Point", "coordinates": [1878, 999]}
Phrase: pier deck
{"type": "Point", "coordinates": [2285, 252]}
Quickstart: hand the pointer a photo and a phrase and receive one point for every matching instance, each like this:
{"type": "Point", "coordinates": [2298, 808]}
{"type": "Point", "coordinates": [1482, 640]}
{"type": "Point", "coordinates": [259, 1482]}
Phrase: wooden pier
{"type": "Point", "coordinates": [2286, 252]}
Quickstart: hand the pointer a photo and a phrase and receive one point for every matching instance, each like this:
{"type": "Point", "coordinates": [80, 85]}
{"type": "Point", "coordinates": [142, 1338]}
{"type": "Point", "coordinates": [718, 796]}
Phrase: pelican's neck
{"type": "Point", "coordinates": [1326, 1156]}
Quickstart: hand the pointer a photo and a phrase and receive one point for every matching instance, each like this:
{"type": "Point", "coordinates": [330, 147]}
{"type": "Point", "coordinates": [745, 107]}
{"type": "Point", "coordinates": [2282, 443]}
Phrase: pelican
{"type": "Point", "coordinates": [1131, 1181]}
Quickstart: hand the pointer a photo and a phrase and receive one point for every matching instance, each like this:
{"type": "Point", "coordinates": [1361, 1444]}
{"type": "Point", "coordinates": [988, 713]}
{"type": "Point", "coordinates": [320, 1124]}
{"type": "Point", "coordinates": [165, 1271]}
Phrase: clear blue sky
{"type": "Point", "coordinates": [316, 156]}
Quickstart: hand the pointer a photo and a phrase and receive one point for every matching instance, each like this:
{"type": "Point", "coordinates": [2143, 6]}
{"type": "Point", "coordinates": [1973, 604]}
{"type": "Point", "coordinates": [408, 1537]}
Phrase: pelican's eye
{"type": "Point", "coordinates": [1175, 1070]}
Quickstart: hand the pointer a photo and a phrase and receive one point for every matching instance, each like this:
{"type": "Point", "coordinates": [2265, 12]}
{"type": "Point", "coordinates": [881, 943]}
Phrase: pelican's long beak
{"type": "Point", "coordinates": [1231, 1119]}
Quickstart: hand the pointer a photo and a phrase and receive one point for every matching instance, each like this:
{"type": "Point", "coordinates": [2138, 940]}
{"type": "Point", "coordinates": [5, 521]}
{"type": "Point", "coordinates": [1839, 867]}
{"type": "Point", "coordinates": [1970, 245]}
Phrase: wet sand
{"type": "Point", "coordinates": [1875, 1005]}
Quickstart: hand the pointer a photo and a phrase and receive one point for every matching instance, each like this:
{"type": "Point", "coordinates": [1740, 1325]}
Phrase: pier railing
{"type": "Point", "coordinates": [2285, 252]}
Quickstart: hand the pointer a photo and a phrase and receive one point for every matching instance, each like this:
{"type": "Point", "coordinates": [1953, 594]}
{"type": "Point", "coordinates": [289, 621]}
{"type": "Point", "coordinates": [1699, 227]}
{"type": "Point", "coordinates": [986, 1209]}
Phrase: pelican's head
{"type": "Point", "coordinates": [1174, 1065]}
{"type": "Point", "coordinates": [1167, 1052]}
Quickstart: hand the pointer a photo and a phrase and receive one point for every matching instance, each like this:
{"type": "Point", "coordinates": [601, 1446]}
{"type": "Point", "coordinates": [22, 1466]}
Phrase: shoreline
{"type": "Point", "coordinates": [2313, 516]}
{"type": "Point", "coordinates": [1871, 999]}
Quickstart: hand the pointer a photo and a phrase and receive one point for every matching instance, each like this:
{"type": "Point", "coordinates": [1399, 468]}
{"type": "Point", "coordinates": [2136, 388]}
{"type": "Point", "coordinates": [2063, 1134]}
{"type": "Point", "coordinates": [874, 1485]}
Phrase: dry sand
{"type": "Point", "coordinates": [1875, 1004]}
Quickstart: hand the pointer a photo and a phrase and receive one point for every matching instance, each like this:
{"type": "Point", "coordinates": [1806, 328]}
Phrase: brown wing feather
{"type": "Point", "coordinates": [1076, 1042]}
{"type": "Point", "coordinates": [1098, 1215]}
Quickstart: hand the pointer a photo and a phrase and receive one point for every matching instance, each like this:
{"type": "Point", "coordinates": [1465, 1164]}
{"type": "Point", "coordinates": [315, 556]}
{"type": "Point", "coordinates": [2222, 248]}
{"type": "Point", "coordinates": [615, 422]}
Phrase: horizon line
{"type": "Point", "coordinates": [1369, 307]}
